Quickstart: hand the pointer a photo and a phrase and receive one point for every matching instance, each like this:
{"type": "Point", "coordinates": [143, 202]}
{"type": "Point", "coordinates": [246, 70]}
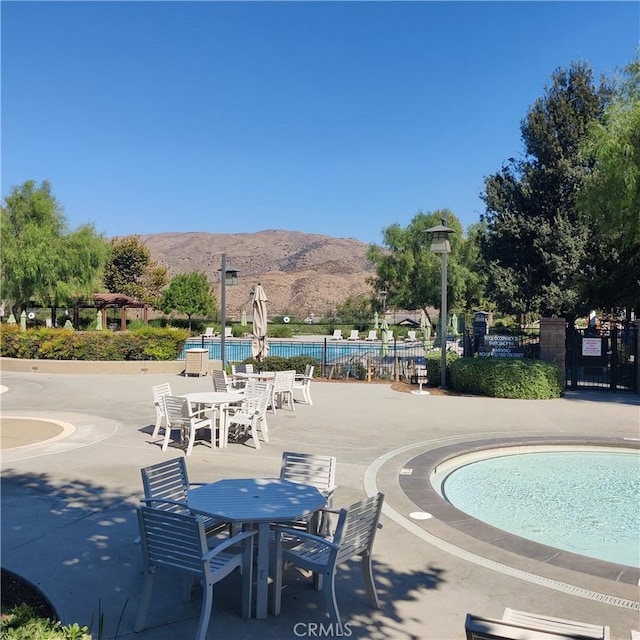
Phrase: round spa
{"type": "Point", "coordinates": [582, 499]}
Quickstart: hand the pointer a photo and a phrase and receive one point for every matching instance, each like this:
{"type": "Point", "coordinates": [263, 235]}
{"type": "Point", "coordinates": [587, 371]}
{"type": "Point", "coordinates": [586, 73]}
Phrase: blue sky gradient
{"type": "Point", "coordinates": [338, 118]}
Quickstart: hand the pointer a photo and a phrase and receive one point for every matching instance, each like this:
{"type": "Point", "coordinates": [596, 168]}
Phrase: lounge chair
{"type": "Point", "coordinates": [354, 335]}
{"type": "Point", "coordinates": [373, 335]}
{"type": "Point", "coordinates": [228, 332]}
{"type": "Point", "coordinates": [411, 336]}
{"type": "Point", "coordinates": [337, 334]}
{"type": "Point", "coordinates": [208, 333]}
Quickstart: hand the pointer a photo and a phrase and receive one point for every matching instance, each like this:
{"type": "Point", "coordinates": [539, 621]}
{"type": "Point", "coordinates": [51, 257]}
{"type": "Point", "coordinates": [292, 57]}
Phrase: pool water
{"type": "Point", "coordinates": [586, 502]}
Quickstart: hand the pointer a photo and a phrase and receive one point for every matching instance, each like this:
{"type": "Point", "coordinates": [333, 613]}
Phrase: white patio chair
{"type": "Point", "coordinates": [160, 390]}
{"type": "Point", "coordinates": [481, 628]}
{"type": "Point", "coordinates": [178, 542]}
{"type": "Point", "coordinates": [354, 335]}
{"type": "Point", "coordinates": [249, 417]}
{"type": "Point", "coordinates": [411, 336]}
{"type": "Point", "coordinates": [181, 417]}
{"type": "Point", "coordinates": [239, 383]}
{"type": "Point", "coordinates": [283, 389]}
{"type": "Point", "coordinates": [337, 334]}
{"type": "Point", "coordinates": [220, 381]}
{"type": "Point", "coordinates": [228, 332]}
{"type": "Point", "coordinates": [316, 470]}
{"type": "Point", "coordinates": [373, 335]}
{"type": "Point", "coordinates": [208, 333]}
{"type": "Point", "coordinates": [354, 536]}
{"type": "Point", "coordinates": [303, 383]}
{"type": "Point", "coordinates": [166, 485]}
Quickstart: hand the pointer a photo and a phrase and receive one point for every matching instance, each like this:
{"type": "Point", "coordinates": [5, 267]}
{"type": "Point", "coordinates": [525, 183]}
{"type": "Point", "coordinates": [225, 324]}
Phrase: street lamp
{"type": "Point", "coordinates": [440, 244]}
{"type": "Point", "coordinates": [383, 298]}
{"type": "Point", "coordinates": [228, 276]}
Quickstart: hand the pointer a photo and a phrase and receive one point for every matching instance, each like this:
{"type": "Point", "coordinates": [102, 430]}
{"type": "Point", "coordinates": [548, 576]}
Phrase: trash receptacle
{"type": "Point", "coordinates": [196, 362]}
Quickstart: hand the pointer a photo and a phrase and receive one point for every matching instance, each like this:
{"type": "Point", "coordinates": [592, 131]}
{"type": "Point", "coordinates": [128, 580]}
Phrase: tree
{"type": "Point", "coordinates": [535, 239]}
{"type": "Point", "coordinates": [189, 293]}
{"type": "Point", "coordinates": [355, 309]}
{"type": "Point", "coordinates": [42, 261]}
{"type": "Point", "coordinates": [610, 197]}
{"type": "Point", "coordinates": [131, 271]}
{"type": "Point", "coordinates": [408, 270]}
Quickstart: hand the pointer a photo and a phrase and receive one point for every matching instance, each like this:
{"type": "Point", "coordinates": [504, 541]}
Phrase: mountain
{"type": "Point", "coordinates": [301, 273]}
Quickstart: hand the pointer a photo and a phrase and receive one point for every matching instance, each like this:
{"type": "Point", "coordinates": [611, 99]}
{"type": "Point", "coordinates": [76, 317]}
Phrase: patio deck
{"type": "Point", "coordinates": [68, 508]}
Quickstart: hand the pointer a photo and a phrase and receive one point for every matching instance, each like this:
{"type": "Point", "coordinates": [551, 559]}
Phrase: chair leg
{"type": "Point", "coordinates": [156, 429]}
{"type": "Point", "coordinates": [264, 429]}
{"type": "Point", "coordinates": [254, 433]}
{"type": "Point", "coordinates": [370, 585]}
{"type": "Point", "coordinates": [192, 439]}
{"type": "Point", "coordinates": [167, 437]}
{"type": "Point", "coordinates": [145, 601]}
{"type": "Point", "coordinates": [205, 614]}
{"type": "Point", "coordinates": [330, 599]}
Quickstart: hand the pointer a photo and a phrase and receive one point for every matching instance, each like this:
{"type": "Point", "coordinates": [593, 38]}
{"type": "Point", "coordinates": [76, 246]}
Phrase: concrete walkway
{"type": "Point", "coordinates": [68, 508]}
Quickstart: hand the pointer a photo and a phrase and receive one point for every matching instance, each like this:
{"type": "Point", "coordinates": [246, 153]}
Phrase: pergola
{"type": "Point", "coordinates": [103, 301]}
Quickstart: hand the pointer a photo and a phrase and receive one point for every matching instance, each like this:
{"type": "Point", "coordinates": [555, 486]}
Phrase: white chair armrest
{"type": "Point", "coordinates": [229, 542]}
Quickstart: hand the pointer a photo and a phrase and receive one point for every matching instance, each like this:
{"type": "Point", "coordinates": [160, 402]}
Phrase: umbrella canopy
{"type": "Point", "coordinates": [384, 328]}
{"type": "Point", "coordinates": [243, 319]}
{"type": "Point", "coordinates": [259, 346]}
{"type": "Point", "coordinates": [376, 326]}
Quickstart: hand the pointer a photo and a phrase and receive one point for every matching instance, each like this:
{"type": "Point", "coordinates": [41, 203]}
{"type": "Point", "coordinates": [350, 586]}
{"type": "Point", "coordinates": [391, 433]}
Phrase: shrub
{"type": "Point", "coordinates": [280, 331]}
{"type": "Point", "coordinates": [433, 361]}
{"type": "Point", "coordinates": [21, 623]}
{"type": "Point", "coordinates": [278, 363]}
{"type": "Point", "coordinates": [507, 378]}
{"type": "Point", "coordinates": [148, 343]}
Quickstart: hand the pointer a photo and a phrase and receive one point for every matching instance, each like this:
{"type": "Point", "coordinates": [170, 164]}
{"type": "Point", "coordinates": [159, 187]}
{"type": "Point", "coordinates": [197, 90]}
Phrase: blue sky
{"type": "Point", "coordinates": [339, 118]}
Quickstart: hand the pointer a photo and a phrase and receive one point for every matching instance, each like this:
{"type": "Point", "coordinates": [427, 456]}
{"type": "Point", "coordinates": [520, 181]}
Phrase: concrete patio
{"type": "Point", "coordinates": [68, 508]}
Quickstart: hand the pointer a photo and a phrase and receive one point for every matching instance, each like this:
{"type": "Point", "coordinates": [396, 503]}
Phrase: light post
{"type": "Point", "coordinates": [383, 298]}
{"type": "Point", "coordinates": [228, 276]}
{"type": "Point", "coordinates": [440, 244]}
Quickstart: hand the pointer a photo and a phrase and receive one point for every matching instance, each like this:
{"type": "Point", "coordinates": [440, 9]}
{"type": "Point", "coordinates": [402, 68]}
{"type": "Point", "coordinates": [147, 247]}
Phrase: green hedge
{"type": "Point", "coordinates": [147, 343]}
{"type": "Point", "coordinates": [507, 378]}
{"type": "Point", "coordinates": [433, 360]}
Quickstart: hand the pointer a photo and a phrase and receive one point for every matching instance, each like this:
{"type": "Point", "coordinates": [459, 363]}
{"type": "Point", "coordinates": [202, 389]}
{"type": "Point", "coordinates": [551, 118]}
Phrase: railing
{"type": "Point", "coordinates": [339, 359]}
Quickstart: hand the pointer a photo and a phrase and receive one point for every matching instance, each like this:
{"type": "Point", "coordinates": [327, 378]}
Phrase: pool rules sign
{"type": "Point", "coordinates": [592, 347]}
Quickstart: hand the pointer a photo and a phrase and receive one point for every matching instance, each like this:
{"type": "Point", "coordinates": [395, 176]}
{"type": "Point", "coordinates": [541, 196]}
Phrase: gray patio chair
{"type": "Point", "coordinates": [283, 389]}
{"type": "Point", "coordinates": [250, 417]}
{"type": "Point", "coordinates": [354, 536]}
{"type": "Point", "coordinates": [316, 470]}
{"type": "Point", "coordinates": [166, 486]}
{"type": "Point", "coordinates": [518, 625]}
{"type": "Point", "coordinates": [178, 542]}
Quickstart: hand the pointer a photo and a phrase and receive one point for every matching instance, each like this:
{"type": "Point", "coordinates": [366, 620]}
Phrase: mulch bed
{"type": "Point", "coordinates": [14, 590]}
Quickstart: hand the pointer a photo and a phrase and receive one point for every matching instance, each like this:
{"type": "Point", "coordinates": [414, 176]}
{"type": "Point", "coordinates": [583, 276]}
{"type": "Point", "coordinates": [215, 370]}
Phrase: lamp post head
{"type": "Point", "coordinates": [440, 238]}
{"type": "Point", "coordinates": [230, 276]}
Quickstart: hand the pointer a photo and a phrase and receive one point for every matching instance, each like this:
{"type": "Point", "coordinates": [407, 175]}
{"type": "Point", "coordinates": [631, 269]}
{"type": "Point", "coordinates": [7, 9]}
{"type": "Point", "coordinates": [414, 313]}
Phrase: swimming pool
{"type": "Point", "coordinates": [237, 350]}
{"type": "Point", "coordinates": [584, 501]}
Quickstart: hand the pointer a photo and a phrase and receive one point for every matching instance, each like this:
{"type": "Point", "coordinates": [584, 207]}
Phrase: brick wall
{"type": "Point", "coordinates": [552, 341]}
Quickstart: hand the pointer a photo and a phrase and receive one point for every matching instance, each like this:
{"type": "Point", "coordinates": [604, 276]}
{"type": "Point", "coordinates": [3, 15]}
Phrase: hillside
{"type": "Point", "coordinates": [301, 273]}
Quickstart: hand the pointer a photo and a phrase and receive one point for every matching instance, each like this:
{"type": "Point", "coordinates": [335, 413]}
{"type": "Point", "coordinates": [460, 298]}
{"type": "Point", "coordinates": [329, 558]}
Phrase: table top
{"type": "Point", "coordinates": [264, 375]}
{"type": "Point", "coordinates": [255, 500]}
{"type": "Point", "coordinates": [213, 397]}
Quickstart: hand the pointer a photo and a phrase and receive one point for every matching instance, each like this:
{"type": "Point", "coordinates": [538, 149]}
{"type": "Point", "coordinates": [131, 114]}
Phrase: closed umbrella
{"type": "Point", "coordinates": [23, 320]}
{"type": "Point", "coordinates": [384, 328]}
{"type": "Point", "coordinates": [259, 346]}
{"type": "Point", "coordinates": [425, 327]}
{"type": "Point", "coordinates": [99, 321]}
{"type": "Point", "coordinates": [243, 319]}
{"type": "Point", "coordinates": [376, 325]}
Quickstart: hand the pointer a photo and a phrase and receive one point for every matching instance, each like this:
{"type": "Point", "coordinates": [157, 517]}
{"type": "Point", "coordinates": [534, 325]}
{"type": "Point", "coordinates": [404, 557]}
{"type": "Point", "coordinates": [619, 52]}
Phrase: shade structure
{"type": "Point", "coordinates": [376, 324]}
{"type": "Point", "coordinates": [259, 346]}
{"type": "Point", "coordinates": [384, 328]}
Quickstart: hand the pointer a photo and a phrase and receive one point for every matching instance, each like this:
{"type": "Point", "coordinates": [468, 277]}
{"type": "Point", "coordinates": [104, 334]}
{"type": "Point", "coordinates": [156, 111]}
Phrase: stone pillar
{"type": "Point", "coordinates": [552, 341]}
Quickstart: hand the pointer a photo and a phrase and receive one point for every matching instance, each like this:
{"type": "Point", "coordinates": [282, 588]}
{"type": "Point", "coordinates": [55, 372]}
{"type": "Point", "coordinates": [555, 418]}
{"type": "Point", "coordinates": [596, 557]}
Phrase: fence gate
{"type": "Point", "coordinates": [602, 359]}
